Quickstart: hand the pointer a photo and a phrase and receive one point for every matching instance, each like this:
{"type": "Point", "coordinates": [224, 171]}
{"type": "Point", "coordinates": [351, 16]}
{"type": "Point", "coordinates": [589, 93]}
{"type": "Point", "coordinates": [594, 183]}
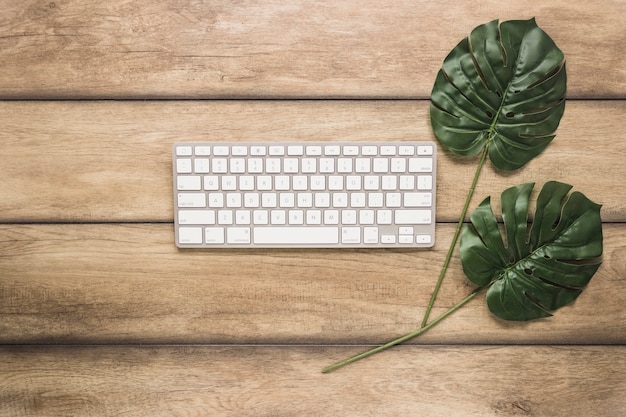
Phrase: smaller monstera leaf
{"type": "Point", "coordinates": [531, 272]}
{"type": "Point", "coordinates": [502, 87]}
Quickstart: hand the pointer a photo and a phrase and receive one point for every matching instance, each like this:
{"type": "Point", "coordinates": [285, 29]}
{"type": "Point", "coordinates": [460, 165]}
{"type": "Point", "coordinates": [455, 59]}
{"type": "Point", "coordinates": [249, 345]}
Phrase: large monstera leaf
{"type": "Point", "coordinates": [503, 88]}
{"type": "Point", "coordinates": [537, 270]}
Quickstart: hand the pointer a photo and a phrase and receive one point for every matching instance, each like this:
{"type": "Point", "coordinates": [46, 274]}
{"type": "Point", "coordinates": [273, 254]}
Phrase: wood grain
{"type": "Point", "coordinates": [111, 161]}
{"type": "Point", "coordinates": [129, 284]}
{"type": "Point", "coordinates": [541, 381]}
{"type": "Point", "coordinates": [291, 48]}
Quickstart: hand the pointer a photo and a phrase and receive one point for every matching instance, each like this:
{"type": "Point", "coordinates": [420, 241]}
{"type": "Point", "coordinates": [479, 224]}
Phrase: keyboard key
{"type": "Point", "coordinates": [412, 216]}
{"type": "Point", "coordinates": [238, 235]}
{"type": "Point", "coordinates": [214, 235]}
{"type": "Point", "coordinates": [183, 150]}
{"type": "Point", "coordinates": [189, 183]}
{"type": "Point", "coordinates": [296, 235]}
{"type": "Point", "coordinates": [192, 200]}
{"type": "Point", "coordinates": [196, 217]}
{"type": "Point", "coordinates": [190, 235]}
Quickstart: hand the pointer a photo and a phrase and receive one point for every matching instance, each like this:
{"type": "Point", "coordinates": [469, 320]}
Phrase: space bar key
{"type": "Point", "coordinates": [296, 235]}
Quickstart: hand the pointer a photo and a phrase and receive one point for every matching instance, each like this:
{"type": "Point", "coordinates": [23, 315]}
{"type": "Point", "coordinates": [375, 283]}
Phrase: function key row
{"type": "Point", "coordinates": [301, 150]}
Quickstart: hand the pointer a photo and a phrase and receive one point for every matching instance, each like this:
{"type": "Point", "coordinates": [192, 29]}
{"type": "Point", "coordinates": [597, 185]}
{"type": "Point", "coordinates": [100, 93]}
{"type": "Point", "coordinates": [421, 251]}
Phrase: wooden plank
{"type": "Point", "coordinates": [111, 161]}
{"type": "Point", "coordinates": [259, 381]}
{"type": "Point", "coordinates": [293, 48]}
{"type": "Point", "coordinates": [129, 284]}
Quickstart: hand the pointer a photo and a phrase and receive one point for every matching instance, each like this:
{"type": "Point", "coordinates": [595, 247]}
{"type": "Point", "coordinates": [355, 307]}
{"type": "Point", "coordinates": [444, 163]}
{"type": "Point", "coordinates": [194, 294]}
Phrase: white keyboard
{"type": "Point", "coordinates": [303, 194]}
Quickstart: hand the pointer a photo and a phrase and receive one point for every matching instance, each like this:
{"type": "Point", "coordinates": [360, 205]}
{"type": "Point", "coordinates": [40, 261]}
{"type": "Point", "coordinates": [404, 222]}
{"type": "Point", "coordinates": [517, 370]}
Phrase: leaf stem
{"type": "Point", "coordinates": [459, 225]}
{"type": "Point", "coordinates": [402, 339]}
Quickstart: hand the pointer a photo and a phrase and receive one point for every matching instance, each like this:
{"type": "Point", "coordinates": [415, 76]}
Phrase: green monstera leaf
{"type": "Point", "coordinates": [539, 269]}
{"type": "Point", "coordinates": [503, 88]}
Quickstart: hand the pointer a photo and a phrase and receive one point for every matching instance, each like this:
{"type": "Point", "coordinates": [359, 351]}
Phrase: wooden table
{"type": "Point", "coordinates": [100, 314]}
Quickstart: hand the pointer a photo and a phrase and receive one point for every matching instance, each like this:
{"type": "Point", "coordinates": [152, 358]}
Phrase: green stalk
{"type": "Point", "coordinates": [406, 337]}
{"type": "Point", "coordinates": [459, 226]}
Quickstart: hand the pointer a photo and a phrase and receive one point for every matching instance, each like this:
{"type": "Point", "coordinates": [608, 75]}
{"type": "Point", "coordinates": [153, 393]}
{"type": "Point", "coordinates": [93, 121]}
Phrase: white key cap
{"type": "Point", "coordinates": [309, 165]}
{"type": "Point", "coordinates": [191, 200]}
{"type": "Point", "coordinates": [424, 182]}
{"type": "Point", "coordinates": [418, 199]}
{"type": "Point", "coordinates": [225, 217]}
{"type": "Point", "coordinates": [388, 239]}
{"type": "Point", "coordinates": [327, 165]}
{"type": "Point", "coordinates": [406, 150]}
{"type": "Point", "coordinates": [387, 150]}
{"type": "Point", "coordinates": [290, 165]}
{"type": "Point", "coordinates": [322, 200]}
{"type": "Point", "coordinates": [214, 235]}
{"type": "Point", "coordinates": [238, 150]}
{"type": "Point", "coordinates": [313, 217]}
{"type": "Point", "coordinates": [369, 150]}
{"type": "Point", "coordinates": [260, 217]}
{"type": "Point", "coordinates": [296, 235]}
{"type": "Point", "coordinates": [295, 150]}
{"type": "Point", "coordinates": [423, 239]}
{"type": "Point", "coordinates": [296, 217]}
{"type": "Point", "coordinates": [314, 150]}
{"type": "Point", "coordinates": [220, 166]}
{"type": "Point", "coordinates": [189, 183]}
{"type": "Point", "coordinates": [251, 200]}
{"type": "Point", "coordinates": [407, 182]}
{"type": "Point", "coordinates": [255, 165]}
{"type": "Point", "coordinates": [237, 165]}
{"type": "Point", "coordinates": [412, 217]}
{"type": "Point", "coordinates": [196, 217]}
{"type": "Point", "coordinates": [242, 217]}
{"type": "Point", "coordinates": [398, 165]}
{"type": "Point", "coordinates": [183, 166]}
{"type": "Point", "coordinates": [220, 150]}
{"type": "Point", "coordinates": [335, 182]}
{"type": "Point", "coordinates": [211, 183]}
{"type": "Point", "coordinates": [287, 200]}
{"type": "Point", "coordinates": [332, 150]}
{"type": "Point", "coordinates": [350, 150]}
{"type": "Point", "coordinates": [318, 182]}
{"type": "Point", "coordinates": [384, 216]}
{"type": "Point", "coordinates": [366, 217]}
{"type": "Point", "coordinates": [351, 235]}
{"type": "Point", "coordinates": [393, 199]}
{"type": "Point", "coordinates": [348, 217]}
{"type": "Point", "coordinates": [201, 166]}
{"type": "Point", "coordinates": [183, 150]}
{"type": "Point", "coordinates": [380, 165]}
{"type": "Point", "coordinates": [370, 235]}
{"type": "Point", "coordinates": [277, 150]}
{"type": "Point", "coordinates": [269, 200]}
{"type": "Point", "coordinates": [216, 200]}
{"type": "Point", "coordinates": [238, 235]}
{"type": "Point", "coordinates": [278, 217]}
{"type": "Point", "coordinates": [420, 165]}
{"type": "Point", "coordinates": [353, 182]}
{"type": "Point", "coordinates": [405, 239]}
{"type": "Point", "coordinates": [344, 165]}
{"type": "Point", "coordinates": [258, 150]}
{"type": "Point", "coordinates": [272, 165]}
{"type": "Point", "coordinates": [331, 217]}
{"type": "Point", "coordinates": [203, 150]}
{"type": "Point", "coordinates": [190, 235]}
{"type": "Point", "coordinates": [424, 150]}
{"type": "Point", "coordinates": [246, 183]}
